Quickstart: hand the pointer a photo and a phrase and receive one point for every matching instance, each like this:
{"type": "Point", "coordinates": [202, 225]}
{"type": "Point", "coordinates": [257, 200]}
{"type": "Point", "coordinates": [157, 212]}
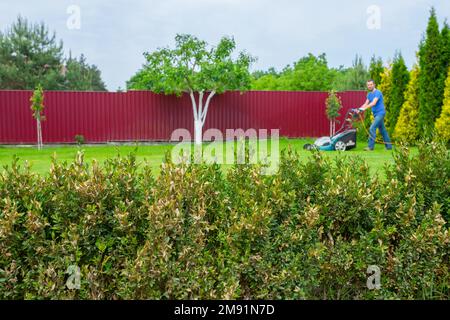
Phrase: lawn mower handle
{"type": "Point", "coordinates": [357, 110]}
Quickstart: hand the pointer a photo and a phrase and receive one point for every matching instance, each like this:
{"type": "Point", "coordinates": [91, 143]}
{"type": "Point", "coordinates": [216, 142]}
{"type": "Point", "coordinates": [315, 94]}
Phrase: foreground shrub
{"type": "Point", "coordinates": [310, 231]}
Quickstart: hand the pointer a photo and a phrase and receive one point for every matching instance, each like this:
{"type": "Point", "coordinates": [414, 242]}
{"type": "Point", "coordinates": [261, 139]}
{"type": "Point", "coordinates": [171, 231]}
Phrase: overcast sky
{"type": "Point", "coordinates": [114, 34]}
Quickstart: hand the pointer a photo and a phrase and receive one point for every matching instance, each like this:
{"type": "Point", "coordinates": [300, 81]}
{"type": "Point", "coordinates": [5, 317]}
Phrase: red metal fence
{"type": "Point", "coordinates": [146, 116]}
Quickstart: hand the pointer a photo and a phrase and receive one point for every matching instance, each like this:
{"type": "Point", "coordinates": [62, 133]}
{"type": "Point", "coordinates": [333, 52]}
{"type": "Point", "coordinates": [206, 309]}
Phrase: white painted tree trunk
{"type": "Point", "coordinates": [332, 127]}
{"type": "Point", "coordinates": [198, 128]}
{"type": "Point", "coordinates": [39, 134]}
{"type": "Point", "coordinates": [200, 112]}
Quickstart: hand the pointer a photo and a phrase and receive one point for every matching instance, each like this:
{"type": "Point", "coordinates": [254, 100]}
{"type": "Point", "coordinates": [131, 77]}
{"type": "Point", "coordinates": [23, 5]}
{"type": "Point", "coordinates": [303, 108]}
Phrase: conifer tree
{"type": "Point", "coordinates": [400, 79]}
{"type": "Point", "coordinates": [376, 69]}
{"type": "Point", "coordinates": [433, 71]}
{"type": "Point", "coordinates": [385, 86]}
{"type": "Point", "coordinates": [445, 36]}
{"type": "Point", "coordinates": [406, 127]}
{"type": "Point", "coordinates": [443, 122]}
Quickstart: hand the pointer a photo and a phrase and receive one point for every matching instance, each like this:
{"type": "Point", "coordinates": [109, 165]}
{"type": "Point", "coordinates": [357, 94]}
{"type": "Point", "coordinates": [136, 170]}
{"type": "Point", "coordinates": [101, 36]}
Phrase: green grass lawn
{"type": "Point", "coordinates": [41, 159]}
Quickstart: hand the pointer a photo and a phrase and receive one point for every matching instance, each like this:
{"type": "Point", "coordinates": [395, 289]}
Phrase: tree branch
{"type": "Point", "coordinates": [200, 105]}
{"type": "Point", "coordinates": [203, 116]}
{"type": "Point", "coordinates": [194, 105]}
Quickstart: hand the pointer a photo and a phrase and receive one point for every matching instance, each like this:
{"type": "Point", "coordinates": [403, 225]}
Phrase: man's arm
{"type": "Point", "coordinates": [368, 105]}
{"type": "Point", "coordinates": [364, 106]}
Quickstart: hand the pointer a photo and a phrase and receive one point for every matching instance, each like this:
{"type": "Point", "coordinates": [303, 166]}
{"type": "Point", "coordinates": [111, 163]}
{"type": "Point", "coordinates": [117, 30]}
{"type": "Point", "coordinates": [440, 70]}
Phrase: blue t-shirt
{"type": "Point", "coordinates": [377, 109]}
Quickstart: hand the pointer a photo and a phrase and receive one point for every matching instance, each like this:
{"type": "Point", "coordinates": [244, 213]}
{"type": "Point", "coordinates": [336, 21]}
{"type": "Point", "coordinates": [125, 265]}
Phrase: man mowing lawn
{"type": "Point", "coordinates": [375, 101]}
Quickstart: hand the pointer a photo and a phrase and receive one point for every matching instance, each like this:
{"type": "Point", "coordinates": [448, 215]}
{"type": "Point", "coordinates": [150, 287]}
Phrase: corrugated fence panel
{"type": "Point", "coordinates": [145, 116]}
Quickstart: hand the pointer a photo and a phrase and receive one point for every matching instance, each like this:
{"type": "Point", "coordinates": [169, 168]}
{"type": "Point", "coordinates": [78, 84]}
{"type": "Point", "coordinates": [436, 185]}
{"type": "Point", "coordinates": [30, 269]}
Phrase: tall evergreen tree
{"type": "Point", "coordinates": [29, 55]}
{"type": "Point", "coordinates": [353, 78]}
{"type": "Point", "coordinates": [443, 122]}
{"type": "Point", "coordinates": [376, 69]}
{"type": "Point", "coordinates": [432, 75]}
{"type": "Point", "coordinates": [385, 86]}
{"type": "Point", "coordinates": [406, 126]}
{"type": "Point", "coordinates": [358, 74]}
{"type": "Point", "coordinates": [79, 75]}
{"type": "Point", "coordinates": [400, 79]}
{"type": "Point", "coordinates": [445, 36]}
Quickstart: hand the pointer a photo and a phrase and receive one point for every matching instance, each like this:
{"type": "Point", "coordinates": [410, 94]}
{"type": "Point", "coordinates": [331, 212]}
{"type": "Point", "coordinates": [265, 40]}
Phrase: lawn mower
{"type": "Point", "coordinates": [343, 139]}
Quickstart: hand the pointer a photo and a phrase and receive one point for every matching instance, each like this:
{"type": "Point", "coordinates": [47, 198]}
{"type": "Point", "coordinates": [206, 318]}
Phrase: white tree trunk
{"type": "Point", "coordinates": [200, 112]}
{"type": "Point", "coordinates": [38, 127]}
{"type": "Point", "coordinates": [198, 126]}
{"type": "Point", "coordinates": [40, 135]}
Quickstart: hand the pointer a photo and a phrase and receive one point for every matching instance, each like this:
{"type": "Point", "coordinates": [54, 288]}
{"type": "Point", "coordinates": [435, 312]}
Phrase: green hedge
{"type": "Point", "coordinates": [308, 232]}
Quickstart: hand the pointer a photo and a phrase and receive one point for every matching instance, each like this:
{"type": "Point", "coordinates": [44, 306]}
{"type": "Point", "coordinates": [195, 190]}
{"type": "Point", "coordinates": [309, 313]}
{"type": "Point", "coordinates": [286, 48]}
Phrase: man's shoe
{"type": "Point", "coordinates": [367, 149]}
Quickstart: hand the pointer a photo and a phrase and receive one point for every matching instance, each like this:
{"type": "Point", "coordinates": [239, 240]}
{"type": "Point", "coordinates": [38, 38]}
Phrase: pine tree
{"type": "Point", "coordinates": [406, 127]}
{"type": "Point", "coordinates": [357, 74]}
{"type": "Point", "coordinates": [79, 75]}
{"type": "Point", "coordinates": [443, 122]}
{"type": "Point", "coordinates": [400, 79]}
{"type": "Point", "coordinates": [29, 55]}
{"type": "Point", "coordinates": [376, 69]}
{"type": "Point", "coordinates": [433, 71]}
{"type": "Point", "coordinates": [445, 36]}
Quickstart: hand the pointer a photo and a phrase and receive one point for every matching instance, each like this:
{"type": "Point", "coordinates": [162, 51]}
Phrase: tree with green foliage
{"type": "Point", "coordinates": [385, 86]}
{"type": "Point", "coordinates": [260, 73]}
{"type": "Point", "coordinates": [266, 82]}
{"type": "Point", "coordinates": [433, 71]}
{"type": "Point", "coordinates": [356, 76]}
{"type": "Point", "coordinates": [30, 55]}
{"type": "Point", "coordinates": [445, 36]}
{"type": "Point", "coordinates": [376, 69]}
{"type": "Point", "coordinates": [194, 69]}
{"type": "Point", "coordinates": [443, 122]}
{"type": "Point", "coordinates": [137, 82]}
{"type": "Point", "coordinates": [400, 79]}
{"type": "Point", "coordinates": [333, 105]}
{"type": "Point", "coordinates": [352, 78]}
{"type": "Point", "coordinates": [37, 106]}
{"type": "Point", "coordinates": [406, 127]}
{"type": "Point", "coordinates": [338, 76]}
{"type": "Point", "coordinates": [79, 75]}
{"type": "Point", "coordinates": [310, 73]}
